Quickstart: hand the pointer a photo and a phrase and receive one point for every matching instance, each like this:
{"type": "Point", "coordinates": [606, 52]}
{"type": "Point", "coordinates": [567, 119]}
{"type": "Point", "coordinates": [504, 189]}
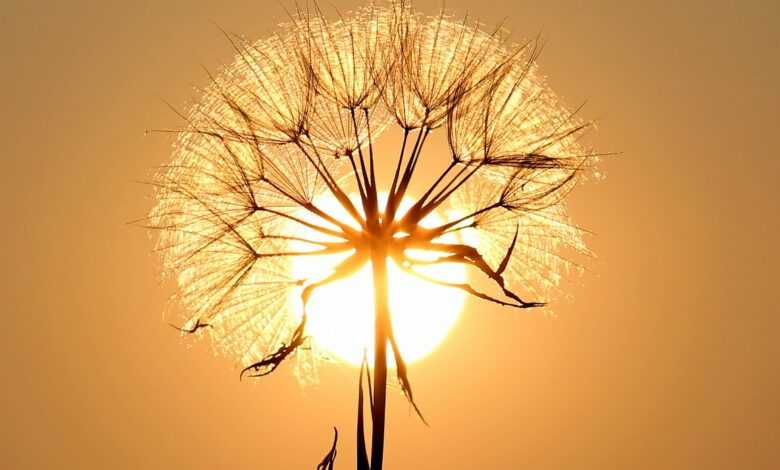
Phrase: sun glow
{"type": "Point", "coordinates": [341, 314]}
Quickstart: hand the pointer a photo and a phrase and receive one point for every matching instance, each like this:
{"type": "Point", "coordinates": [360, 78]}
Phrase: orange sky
{"type": "Point", "coordinates": [664, 358]}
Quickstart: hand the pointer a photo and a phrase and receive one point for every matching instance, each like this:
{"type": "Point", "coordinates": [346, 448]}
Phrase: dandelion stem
{"type": "Point", "coordinates": [366, 179]}
{"type": "Point", "coordinates": [411, 164]}
{"type": "Point", "coordinates": [370, 148]}
{"type": "Point", "coordinates": [444, 194]}
{"type": "Point", "coordinates": [382, 322]}
{"type": "Point", "coordinates": [335, 189]}
{"type": "Point", "coordinates": [398, 192]}
{"type": "Point", "coordinates": [357, 179]}
{"type": "Point", "coordinates": [312, 226]}
{"type": "Point", "coordinates": [397, 171]}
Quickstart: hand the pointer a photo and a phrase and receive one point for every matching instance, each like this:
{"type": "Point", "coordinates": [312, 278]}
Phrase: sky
{"type": "Point", "coordinates": [664, 355]}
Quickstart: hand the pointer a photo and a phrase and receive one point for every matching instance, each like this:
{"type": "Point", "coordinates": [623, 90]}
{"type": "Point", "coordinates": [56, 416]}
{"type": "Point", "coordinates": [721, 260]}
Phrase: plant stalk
{"type": "Point", "coordinates": [382, 322]}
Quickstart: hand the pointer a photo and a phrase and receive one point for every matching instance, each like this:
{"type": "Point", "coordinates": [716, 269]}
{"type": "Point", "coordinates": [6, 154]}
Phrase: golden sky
{"type": "Point", "coordinates": [665, 357]}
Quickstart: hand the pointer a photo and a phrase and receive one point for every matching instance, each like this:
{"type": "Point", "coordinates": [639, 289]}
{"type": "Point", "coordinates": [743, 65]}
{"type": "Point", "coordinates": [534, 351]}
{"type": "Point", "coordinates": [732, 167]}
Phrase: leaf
{"type": "Point", "coordinates": [330, 457]}
{"type": "Point", "coordinates": [400, 368]}
{"type": "Point", "coordinates": [272, 361]}
{"type": "Point", "coordinates": [505, 261]}
{"type": "Point", "coordinates": [362, 453]}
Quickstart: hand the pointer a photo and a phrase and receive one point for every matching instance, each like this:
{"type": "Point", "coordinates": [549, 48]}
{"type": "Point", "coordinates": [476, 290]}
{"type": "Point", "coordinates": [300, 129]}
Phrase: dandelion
{"type": "Point", "coordinates": [292, 123]}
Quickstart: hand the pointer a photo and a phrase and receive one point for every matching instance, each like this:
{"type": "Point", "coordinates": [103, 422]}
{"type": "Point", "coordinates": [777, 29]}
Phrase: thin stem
{"type": "Point", "coordinates": [440, 198]}
{"type": "Point", "coordinates": [397, 172]}
{"type": "Point", "coordinates": [357, 179]}
{"type": "Point", "coordinates": [421, 201]}
{"type": "Point", "coordinates": [309, 206]}
{"type": "Point", "coordinates": [370, 148]}
{"type": "Point", "coordinates": [324, 215]}
{"type": "Point", "coordinates": [296, 239]}
{"type": "Point", "coordinates": [410, 167]}
{"type": "Point", "coordinates": [457, 181]}
{"type": "Point", "coordinates": [330, 182]}
{"type": "Point", "coordinates": [447, 228]}
{"type": "Point", "coordinates": [436, 183]}
{"type": "Point", "coordinates": [366, 180]}
{"type": "Point", "coordinates": [370, 203]}
{"type": "Point", "coordinates": [362, 453]}
{"type": "Point", "coordinates": [382, 321]}
{"type": "Point", "coordinates": [312, 226]}
{"type": "Point", "coordinates": [397, 194]}
{"type": "Point", "coordinates": [319, 166]}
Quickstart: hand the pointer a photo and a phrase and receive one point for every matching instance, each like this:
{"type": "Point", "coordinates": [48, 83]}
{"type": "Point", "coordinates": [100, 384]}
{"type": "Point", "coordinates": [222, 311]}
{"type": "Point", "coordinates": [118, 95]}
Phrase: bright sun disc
{"type": "Point", "coordinates": [341, 314]}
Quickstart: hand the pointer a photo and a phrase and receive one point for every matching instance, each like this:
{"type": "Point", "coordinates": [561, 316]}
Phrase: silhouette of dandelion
{"type": "Point", "coordinates": [294, 119]}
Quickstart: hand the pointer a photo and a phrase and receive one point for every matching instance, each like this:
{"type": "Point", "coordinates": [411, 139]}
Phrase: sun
{"type": "Point", "coordinates": [341, 314]}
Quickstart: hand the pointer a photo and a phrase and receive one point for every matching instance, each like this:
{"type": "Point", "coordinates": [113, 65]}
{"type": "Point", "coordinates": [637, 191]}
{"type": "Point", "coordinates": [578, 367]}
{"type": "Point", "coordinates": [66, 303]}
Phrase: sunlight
{"type": "Point", "coordinates": [341, 314]}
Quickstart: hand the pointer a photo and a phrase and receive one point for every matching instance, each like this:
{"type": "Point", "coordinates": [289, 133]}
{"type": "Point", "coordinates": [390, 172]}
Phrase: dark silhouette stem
{"type": "Point", "coordinates": [362, 453]}
{"type": "Point", "coordinates": [382, 312]}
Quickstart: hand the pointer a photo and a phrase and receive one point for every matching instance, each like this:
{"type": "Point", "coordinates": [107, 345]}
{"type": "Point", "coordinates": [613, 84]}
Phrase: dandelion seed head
{"type": "Point", "coordinates": [293, 118]}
